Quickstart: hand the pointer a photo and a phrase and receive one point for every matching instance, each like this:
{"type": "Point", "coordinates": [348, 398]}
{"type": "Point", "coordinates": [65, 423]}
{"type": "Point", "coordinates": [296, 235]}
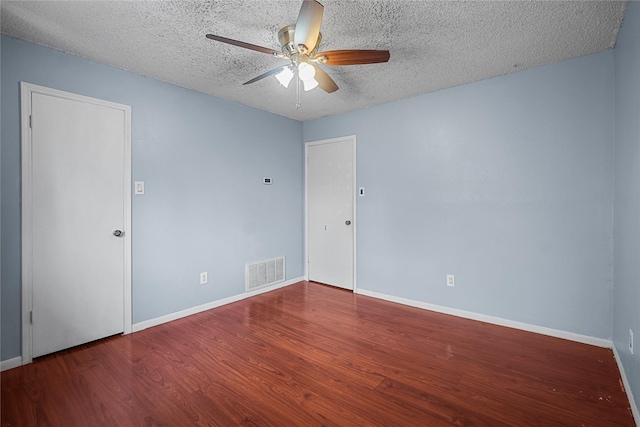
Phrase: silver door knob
{"type": "Point", "coordinates": [118, 233]}
{"type": "Point", "coordinates": [347, 222]}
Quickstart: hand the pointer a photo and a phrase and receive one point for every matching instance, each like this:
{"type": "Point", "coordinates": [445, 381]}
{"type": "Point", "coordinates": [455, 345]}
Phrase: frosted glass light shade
{"type": "Point", "coordinates": [306, 71]}
{"type": "Point", "coordinates": [310, 84]}
{"type": "Point", "coordinates": [285, 76]}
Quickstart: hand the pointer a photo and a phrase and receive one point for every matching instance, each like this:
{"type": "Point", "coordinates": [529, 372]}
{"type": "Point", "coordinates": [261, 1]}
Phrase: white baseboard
{"type": "Point", "coordinates": [627, 388]}
{"type": "Point", "coordinates": [599, 342]}
{"type": "Point", "coordinates": [10, 363]}
{"type": "Point", "coordinates": [208, 306]}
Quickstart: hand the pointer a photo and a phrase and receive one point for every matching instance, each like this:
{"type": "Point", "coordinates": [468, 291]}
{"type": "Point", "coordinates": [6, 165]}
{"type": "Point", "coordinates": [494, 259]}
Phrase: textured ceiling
{"type": "Point", "coordinates": [433, 44]}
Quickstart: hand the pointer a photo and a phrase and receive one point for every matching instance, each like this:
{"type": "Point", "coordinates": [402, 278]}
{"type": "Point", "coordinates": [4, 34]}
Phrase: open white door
{"type": "Point", "coordinates": [76, 220]}
{"type": "Point", "coordinates": [331, 212]}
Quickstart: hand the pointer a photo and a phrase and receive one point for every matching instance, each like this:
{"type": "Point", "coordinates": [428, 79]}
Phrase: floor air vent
{"type": "Point", "coordinates": [263, 273]}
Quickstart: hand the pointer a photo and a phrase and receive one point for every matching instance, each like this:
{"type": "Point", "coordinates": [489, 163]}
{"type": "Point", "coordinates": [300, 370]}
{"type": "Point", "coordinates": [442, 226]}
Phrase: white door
{"type": "Point", "coordinates": [79, 209]}
{"type": "Point", "coordinates": [330, 210]}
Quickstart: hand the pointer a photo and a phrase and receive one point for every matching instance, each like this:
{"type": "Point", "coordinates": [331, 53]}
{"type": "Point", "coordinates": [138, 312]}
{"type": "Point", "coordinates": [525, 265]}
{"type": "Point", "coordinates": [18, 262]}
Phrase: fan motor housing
{"type": "Point", "coordinates": [286, 39]}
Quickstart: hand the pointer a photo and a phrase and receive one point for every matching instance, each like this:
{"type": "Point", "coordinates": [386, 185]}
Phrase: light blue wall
{"type": "Point", "coordinates": [202, 160]}
{"type": "Point", "coordinates": [506, 183]}
{"type": "Point", "coordinates": [626, 314]}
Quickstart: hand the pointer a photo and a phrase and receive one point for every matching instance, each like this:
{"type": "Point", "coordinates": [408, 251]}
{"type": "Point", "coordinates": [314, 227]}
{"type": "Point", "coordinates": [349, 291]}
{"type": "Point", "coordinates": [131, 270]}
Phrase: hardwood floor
{"type": "Point", "coordinates": [310, 354]}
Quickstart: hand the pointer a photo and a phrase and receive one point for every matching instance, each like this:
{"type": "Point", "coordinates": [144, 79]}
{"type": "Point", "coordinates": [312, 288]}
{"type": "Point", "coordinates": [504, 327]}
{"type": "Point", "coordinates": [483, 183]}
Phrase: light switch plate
{"type": "Point", "coordinates": [139, 187]}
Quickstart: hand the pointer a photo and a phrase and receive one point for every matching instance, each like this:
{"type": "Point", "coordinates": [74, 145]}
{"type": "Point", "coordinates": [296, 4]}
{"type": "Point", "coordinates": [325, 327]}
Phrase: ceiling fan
{"type": "Point", "coordinates": [299, 44]}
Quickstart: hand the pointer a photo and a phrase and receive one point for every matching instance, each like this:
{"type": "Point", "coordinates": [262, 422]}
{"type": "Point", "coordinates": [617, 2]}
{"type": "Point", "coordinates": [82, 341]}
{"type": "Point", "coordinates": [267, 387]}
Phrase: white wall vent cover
{"type": "Point", "coordinates": [263, 273]}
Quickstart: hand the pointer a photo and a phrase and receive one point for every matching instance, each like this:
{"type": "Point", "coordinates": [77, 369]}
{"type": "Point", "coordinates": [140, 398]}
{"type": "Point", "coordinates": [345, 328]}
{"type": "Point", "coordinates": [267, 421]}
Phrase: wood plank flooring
{"type": "Point", "coordinates": [311, 355]}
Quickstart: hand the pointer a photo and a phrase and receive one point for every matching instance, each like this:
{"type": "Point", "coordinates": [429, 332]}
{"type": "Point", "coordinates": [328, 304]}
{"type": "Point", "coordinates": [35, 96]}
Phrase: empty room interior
{"type": "Point", "coordinates": [440, 225]}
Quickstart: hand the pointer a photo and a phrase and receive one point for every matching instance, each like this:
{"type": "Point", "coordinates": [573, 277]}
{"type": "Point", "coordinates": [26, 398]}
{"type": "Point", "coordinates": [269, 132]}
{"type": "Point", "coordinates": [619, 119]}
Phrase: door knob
{"type": "Point", "coordinates": [347, 222]}
{"type": "Point", "coordinates": [118, 233]}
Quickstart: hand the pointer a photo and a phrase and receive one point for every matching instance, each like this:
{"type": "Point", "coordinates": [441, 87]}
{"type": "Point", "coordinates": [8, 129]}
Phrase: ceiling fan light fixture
{"type": "Point", "coordinates": [300, 43]}
{"type": "Point", "coordinates": [285, 76]}
{"type": "Point", "coordinates": [310, 84]}
{"type": "Point", "coordinates": [306, 72]}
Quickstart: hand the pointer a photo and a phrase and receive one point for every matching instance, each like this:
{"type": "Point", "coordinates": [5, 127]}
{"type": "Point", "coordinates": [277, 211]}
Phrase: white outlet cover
{"type": "Point", "coordinates": [451, 280]}
{"type": "Point", "coordinates": [631, 341]}
{"type": "Point", "coordinates": [203, 278]}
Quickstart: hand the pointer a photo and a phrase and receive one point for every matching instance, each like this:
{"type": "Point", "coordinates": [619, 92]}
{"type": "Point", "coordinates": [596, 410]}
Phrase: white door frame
{"type": "Point", "coordinates": [26, 90]}
{"type": "Point", "coordinates": [306, 203]}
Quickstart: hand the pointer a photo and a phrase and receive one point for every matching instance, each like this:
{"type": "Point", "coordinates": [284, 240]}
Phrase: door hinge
{"type": "Point", "coordinates": [31, 317]}
{"type": "Point", "coordinates": [31, 121]}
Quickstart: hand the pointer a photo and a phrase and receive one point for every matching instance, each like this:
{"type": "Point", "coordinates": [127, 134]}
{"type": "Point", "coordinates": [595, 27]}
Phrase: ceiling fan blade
{"type": "Point", "coordinates": [244, 45]}
{"type": "Point", "coordinates": [353, 57]}
{"type": "Point", "coordinates": [267, 74]}
{"type": "Point", "coordinates": [325, 82]}
{"type": "Point", "coordinates": [308, 25]}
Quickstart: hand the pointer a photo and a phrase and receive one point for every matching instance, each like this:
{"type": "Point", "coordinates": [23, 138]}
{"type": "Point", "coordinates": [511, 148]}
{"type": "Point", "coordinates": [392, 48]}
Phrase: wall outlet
{"type": "Point", "coordinates": [203, 278]}
{"type": "Point", "coordinates": [451, 280]}
{"type": "Point", "coordinates": [631, 341]}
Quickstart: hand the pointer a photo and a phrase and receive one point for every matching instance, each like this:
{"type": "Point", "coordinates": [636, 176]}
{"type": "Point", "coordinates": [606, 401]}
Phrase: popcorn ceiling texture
{"type": "Point", "coordinates": [433, 44]}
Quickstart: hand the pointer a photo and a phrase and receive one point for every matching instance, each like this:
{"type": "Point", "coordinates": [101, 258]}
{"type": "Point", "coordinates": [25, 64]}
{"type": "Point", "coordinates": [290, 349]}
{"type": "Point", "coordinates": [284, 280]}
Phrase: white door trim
{"type": "Point", "coordinates": [306, 204]}
{"type": "Point", "coordinates": [26, 90]}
